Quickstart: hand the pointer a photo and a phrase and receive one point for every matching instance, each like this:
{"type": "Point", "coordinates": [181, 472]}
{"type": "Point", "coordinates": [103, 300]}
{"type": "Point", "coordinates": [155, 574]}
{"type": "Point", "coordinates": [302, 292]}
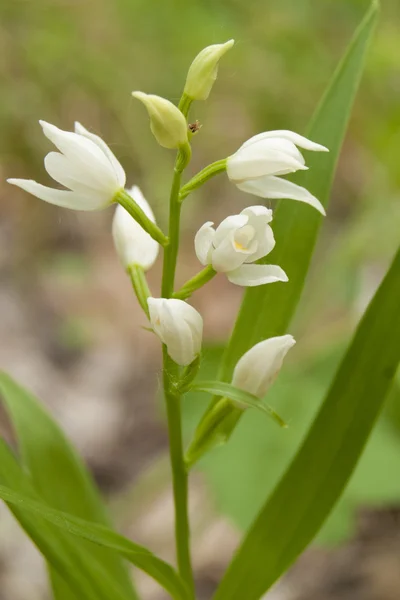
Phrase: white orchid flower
{"type": "Point", "coordinates": [203, 71]}
{"type": "Point", "coordinates": [133, 244]}
{"type": "Point", "coordinates": [179, 326]}
{"type": "Point", "coordinates": [258, 368]}
{"type": "Point", "coordinates": [255, 168]}
{"type": "Point", "coordinates": [236, 243]}
{"type": "Point", "coordinates": [85, 165]}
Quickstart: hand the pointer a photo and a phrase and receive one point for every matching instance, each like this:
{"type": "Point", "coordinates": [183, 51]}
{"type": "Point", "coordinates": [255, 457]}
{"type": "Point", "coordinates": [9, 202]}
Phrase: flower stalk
{"type": "Point", "coordinates": [195, 283]}
{"type": "Point", "coordinates": [129, 204]}
{"type": "Point", "coordinates": [204, 175]}
{"type": "Point", "coordinates": [140, 286]}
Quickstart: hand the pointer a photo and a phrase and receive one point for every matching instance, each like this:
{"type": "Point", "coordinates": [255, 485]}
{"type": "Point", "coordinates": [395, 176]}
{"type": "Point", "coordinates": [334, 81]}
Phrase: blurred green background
{"type": "Point", "coordinates": [66, 60]}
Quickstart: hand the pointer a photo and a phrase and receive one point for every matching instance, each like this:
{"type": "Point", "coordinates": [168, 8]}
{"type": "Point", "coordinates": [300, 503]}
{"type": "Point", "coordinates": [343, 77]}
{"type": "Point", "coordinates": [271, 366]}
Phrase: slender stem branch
{"type": "Point", "coordinates": [185, 104]}
{"type": "Point", "coordinates": [171, 251]}
{"type": "Point", "coordinates": [204, 175]}
{"type": "Point", "coordinates": [125, 200]}
{"type": "Point", "coordinates": [195, 283]}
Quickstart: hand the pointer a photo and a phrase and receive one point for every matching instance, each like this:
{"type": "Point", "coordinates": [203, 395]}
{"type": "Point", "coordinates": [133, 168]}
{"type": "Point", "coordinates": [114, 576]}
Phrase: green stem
{"type": "Point", "coordinates": [125, 200]}
{"type": "Point", "coordinates": [139, 284]}
{"type": "Point", "coordinates": [172, 398]}
{"type": "Point", "coordinates": [184, 105]}
{"type": "Point", "coordinates": [210, 171]}
{"type": "Point", "coordinates": [195, 283]}
{"type": "Point", "coordinates": [179, 478]}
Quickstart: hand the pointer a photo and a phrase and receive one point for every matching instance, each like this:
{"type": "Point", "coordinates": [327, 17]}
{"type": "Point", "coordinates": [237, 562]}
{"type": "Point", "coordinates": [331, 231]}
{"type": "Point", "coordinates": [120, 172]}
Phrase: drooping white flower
{"type": "Point", "coordinates": [133, 244]}
{"type": "Point", "coordinates": [179, 326]}
{"type": "Point", "coordinates": [167, 123]}
{"type": "Point", "coordinates": [258, 368]}
{"type": "Point", "coordinates": [85, 165]}
{"type": "Point", "coordinates": [239, 241]}
{"type": "Point", "coordinates": [255, 168]}
{"type": "Point", "coordinates": [203, 71]}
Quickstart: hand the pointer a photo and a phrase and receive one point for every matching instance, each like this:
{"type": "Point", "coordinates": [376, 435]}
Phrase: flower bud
{"type": "Point", "coordinates": [258, 368]}
{"type": "Point", "coordinates": [133, 244]}
{"type": "Point", "coordinates": [203, 71]}
{"type": "Point", "coordinates": [166, 120]}
{"type": "Point", "coordinates": [179, 326]}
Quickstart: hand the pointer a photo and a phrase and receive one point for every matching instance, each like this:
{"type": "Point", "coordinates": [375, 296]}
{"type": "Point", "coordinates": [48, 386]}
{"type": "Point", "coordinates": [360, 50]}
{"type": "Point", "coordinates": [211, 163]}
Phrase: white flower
{"type": "Point", "coordinates": [179, 326]}
{"type": "Point", "coordinates": [167, 123]}
{"type": "Point", "coordinates": [258, 368]}
{"type": "Point", "coordinates": [203, 71]}
{"type": "Point", "coordinates": [85, 165]}
{"type": "Point", "coordinates": [255, 168]}
{"type": "Point", "coordinates": [236, 243]}
{"type": "Point", "coordinates": [133, 244]}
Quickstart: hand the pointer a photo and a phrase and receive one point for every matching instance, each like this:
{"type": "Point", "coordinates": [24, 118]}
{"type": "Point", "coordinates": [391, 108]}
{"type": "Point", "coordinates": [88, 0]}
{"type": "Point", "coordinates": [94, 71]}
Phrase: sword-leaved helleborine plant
{"type": "Point", "coordinates": [90, 177]}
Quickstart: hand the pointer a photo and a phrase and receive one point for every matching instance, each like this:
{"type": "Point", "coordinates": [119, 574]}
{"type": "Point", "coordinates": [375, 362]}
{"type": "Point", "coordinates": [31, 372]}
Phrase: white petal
{"type": "Point", "coordinates": [203, 242]}
{"type": "Point", "coordinates": [119, 171]}
{"type": "Point", "coordinates": [253, 162]}
{"type": "Point", "coordinates": [133, 244]}
{"type": "Point", "coordinates": [227, 226]}
{"type": "Point", "coordinates": [227, 257]}
{"type": "Point", "coordinates": [72, 176]}
{"type": "Point", "coordinates": [63, 198]}
{"type": "Point", "coordinates": [252, 275]}
{"type": "Point", "coordinates": [258, 367]}
{"type": "Point", "coordinates": [179, 326]}
{"type": "Point", "coordinates": [274, 188]}
{"type": "Point", "coordinates": [259, 217]}
{"type": "Point", "coordinates": [85, 155]}
{"type": "Point", "coordinates": [259, 211]}
{"type": "Point", "coordinates": [297, 139]}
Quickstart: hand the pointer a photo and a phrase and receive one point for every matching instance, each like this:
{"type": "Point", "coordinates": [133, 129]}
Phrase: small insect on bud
{"type": "Point", "coordinates": [167, 123]}
{"type": "Point", "coordinates": [203, 71]}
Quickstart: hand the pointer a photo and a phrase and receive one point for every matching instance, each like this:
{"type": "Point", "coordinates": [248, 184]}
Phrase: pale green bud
{"type": "Point", "coordinates": [166, 120]}
{"type": "Point", "coordinates": [203, 71]}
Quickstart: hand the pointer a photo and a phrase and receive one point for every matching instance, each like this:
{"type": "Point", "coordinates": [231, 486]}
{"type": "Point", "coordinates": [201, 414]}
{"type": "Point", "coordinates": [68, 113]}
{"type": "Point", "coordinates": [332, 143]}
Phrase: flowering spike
{"type": "Point", "coordinates": [166, 120]}
{"type": "Point", "coordinates": [179, 326]}
{"type": "Point", "coordinates": [133, 244]}
{"type": "Point", "coordinates": [203, 71]}
{"type": "Point", "coordinates": [85, 165]}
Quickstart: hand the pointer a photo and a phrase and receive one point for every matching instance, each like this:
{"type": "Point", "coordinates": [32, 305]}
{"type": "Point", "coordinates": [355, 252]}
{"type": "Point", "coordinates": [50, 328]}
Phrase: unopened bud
{"type": "Point", "coordinates": [203, 71]}
{"type": "Point", "coordinates": [166, 120]}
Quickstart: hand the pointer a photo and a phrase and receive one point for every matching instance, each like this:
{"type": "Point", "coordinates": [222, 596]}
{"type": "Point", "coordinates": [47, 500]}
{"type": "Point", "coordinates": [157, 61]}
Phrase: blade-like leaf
{"type": "Point", "coordinates": [220, 388]}
{"type": "Point", "coordinates": [267, 310]}
{"type": "Point", "coordinates": [318, 474]}
{"type": "Point", "coordinates": [59, 476]}
{"type": "Point", "coordinates": [81, 575]}
{"type": "Point", "coordinates": [101, 535]}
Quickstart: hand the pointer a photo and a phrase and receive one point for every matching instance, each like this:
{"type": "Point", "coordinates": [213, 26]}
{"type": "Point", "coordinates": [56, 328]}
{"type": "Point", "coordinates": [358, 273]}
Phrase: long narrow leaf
{"type": "Point", "coordinates": [267, 310]}
{"type": "Point", "coordinates": [318, 474]}
{"type": "Point", "coordinates": [101, 535]}
{"type": "Point", "coordinates": [60, 478]}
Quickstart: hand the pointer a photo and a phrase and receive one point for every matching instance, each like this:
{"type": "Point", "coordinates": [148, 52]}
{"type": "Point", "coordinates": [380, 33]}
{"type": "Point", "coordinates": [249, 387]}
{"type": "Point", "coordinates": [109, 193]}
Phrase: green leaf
{"type": "Point", "coordinates": [71, 562]}
{"type": "Point", "coordinates": [305, 495]}
{"type": "Point", "coordinates": [59, 477]}
{"type": "Point", "coordinates": [267, 310]}
{"type": "Point", "coordinates": [220, 388]}
{"type": "Point", "coordinates": [101, 535]}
